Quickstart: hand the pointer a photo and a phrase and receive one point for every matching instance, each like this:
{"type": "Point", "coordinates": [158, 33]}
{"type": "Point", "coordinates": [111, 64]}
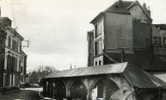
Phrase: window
{"type": "Point", "coordinates": [156, 41]}
{"type": "Point", "coordinates": [14, 64]}
{"type": "Point", "coordinates": [20, 46]}
{"type": "Point", "coordinates": [164, 41]}
{"type": "Point", "coordinates": [99, 27]}
{"type": "Point", "coordinates": [100, 63]}
{"type": "Point", "coordinates": [14, 45]}
{"type": "Point", "coordinates": [96, 31]}
{"type": "Point", "coordinates": [98, 47]}
{"type": "Point", "coordinates": [11, 64]}
{"type": "Point", "coordinates": [9, 42]}
{"type": "Point", "coordinates": [95, 63]}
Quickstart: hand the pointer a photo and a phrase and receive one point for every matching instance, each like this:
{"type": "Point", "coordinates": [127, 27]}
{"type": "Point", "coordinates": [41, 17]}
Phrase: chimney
{"type": "Point", "coordinates": [146, 9]}
{"type": "Point", "coordinates": [5, 21]}
{"type": "Point", "coordinates": [144, 6]}
{"type": "Point", "coordinates": [120, 0]}
{"type": "Point", "coordinates": [119, 3]}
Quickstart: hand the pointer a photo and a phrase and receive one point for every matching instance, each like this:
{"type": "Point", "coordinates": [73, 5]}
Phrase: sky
{"type": "Point", "coordinates": [57, 29]}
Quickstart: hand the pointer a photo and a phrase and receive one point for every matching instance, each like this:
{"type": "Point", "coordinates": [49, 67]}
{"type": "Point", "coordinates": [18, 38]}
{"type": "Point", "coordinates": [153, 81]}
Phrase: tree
{"type": "Point", "coordinates": [41, 72]}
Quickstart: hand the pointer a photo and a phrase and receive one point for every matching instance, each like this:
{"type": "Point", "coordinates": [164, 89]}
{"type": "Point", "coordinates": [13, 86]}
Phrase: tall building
{"type": "Point", "coordinates": [12, 57]}
{"type": "Point", "coordinates": [123, 32]}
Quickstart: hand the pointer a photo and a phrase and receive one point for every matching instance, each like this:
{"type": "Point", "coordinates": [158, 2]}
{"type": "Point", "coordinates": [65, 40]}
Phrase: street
{"type": "Point", "coordinates": [23, 94]}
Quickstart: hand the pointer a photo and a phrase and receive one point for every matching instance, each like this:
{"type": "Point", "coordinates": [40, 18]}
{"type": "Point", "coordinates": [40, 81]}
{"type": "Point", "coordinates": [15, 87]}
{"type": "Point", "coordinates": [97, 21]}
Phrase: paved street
{"type": "Point", "coordinates": [20, 95]}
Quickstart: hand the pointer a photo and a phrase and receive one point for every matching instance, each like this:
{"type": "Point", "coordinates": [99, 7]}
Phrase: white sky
{"type": "Point", "coordinates": [57, 28]}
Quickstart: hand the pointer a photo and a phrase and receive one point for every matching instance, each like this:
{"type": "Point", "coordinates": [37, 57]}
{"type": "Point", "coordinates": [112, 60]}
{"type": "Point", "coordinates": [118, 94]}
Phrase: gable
{"type": "Point", "coordinates": [137, 13]}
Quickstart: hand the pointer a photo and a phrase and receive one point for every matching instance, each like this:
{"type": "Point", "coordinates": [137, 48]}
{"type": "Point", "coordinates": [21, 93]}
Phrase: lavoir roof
{"type": "Point", "coordinates": [135, 76]}
{"type": "Point", "coordinates": [90, 71]}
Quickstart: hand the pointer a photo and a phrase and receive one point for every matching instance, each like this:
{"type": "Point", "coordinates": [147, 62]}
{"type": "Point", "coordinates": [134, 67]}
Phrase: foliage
{"type": "Point", "coordinates": [41, 72]}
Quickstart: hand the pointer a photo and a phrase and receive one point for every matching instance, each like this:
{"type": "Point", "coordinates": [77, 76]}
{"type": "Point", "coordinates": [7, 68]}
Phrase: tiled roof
{"type": "Point", "coordinates": [88, 71]}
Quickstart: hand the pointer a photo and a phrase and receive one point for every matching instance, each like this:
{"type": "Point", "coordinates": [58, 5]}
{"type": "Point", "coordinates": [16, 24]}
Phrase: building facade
{"type": "Point", "coordinates": [13, 59]}
{"type": "Point", "coordinates": [159, 43]}
{"type": "Point", "coordinates": [123, 32]}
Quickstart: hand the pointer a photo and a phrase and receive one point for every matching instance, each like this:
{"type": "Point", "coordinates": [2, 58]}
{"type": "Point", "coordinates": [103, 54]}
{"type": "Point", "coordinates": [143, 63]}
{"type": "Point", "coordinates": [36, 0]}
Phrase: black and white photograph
{"type": "Point", "coordinates": [82, 50]}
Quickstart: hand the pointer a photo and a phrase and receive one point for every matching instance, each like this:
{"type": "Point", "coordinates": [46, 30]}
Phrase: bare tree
{"type": "Point", "coordinates": [41, 72]}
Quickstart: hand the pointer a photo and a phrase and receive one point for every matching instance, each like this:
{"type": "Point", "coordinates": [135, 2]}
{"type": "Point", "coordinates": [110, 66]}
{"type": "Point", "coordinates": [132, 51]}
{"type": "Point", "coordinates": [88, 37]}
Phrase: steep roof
{"type": "Point", "coordinates": [122, 7]}
{"type": "Point", "coordinates": [135, 76]}
{"type": "Point", "coordinates": [117, 7]}
{"type": "Point", "coordinates": [6, 24]}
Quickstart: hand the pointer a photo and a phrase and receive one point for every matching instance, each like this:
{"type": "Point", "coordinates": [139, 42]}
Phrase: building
{"type": "Point", "coordinates": [123, 32]}
{"type": "Point", "coordinates": [23, 66]}
{"type": "Point", "coordinates": [12, 57]}
{"type": "Point", "coordinates": [159, 49]}
{"type": "Point", "coordinates": [159, 43]}
{"type": "Point", "coordinates": [121, 49]}
{"type": "Point", "coordinates": [120, 81]}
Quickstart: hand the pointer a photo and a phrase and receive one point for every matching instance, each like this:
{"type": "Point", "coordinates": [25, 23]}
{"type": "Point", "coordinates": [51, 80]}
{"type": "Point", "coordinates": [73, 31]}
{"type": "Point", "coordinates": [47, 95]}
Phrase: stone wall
{"type": "Point", "coordinates": [111, 86]}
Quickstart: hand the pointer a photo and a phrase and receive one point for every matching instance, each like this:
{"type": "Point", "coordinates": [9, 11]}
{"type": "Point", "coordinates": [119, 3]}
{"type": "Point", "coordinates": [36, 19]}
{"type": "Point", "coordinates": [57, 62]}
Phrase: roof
{"type": "Point", "coordinates": [88, 71]}
{"type": "Point", "coordinates": [162, 26]}
{"type": "Point", "coordinates": [122, 7]}
{"type": "Point", "coordinates": [14, 31]}
{"type": "Point", "coordinates": [156, 68]}
{"type": "Point", "coordinates": [118, 7]}
{"type": "Point", "coordinates": [5, 24]}
{"type": "Point", "coordinates": [135, 76]}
